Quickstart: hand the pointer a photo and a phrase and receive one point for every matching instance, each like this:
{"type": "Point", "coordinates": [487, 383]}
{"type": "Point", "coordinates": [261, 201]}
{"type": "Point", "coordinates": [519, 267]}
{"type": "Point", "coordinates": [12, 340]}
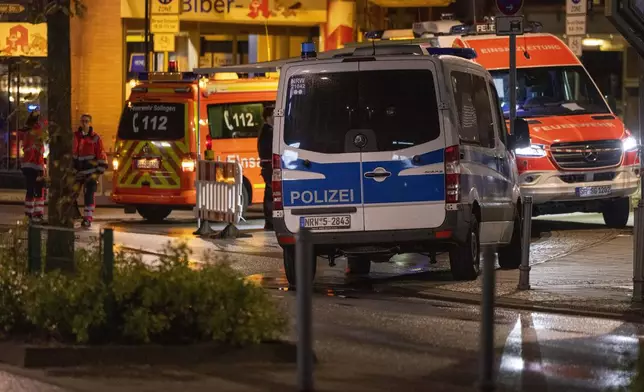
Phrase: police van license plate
{"type": "Point", "coordinates": [590, 191]}
{"type": "Point", "coordinates": [326, 222]}
{"type": "Point", "coordinates": [147, 163]}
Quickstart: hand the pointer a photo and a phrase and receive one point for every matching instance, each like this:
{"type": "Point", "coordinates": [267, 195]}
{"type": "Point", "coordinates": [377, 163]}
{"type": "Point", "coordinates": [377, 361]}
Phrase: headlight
{"type": "Point", "coordinates": [115, 164]}
{"type": "Point", "coordinates": [535, 150]}
{"type": "Point", "coordinates": [629, 144]}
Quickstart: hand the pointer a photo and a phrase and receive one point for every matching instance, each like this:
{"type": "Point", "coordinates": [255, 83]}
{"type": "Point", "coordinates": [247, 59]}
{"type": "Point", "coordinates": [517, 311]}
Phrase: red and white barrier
{"type": "Point", "coordinates": [219, 188]}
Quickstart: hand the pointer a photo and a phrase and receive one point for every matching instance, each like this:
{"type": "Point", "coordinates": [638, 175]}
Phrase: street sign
{"type": "Point", "coordinates": [575, 24]}
{"type": "Point", "coordinates": [164, 42]}
{"type": "Point", "coordinates": [509, 25]}
{"type": "Point", "coordinates": [165, 7]}
{"type": "Point", "coordinates": [576, 7]}
{"type": "Point", "coordinates": [164, 24]}
{"type": "Point", "coordinates": [509, 7]}
{"type": "Point", "coordinates": [11, 8]}
{"type": "Point", "coordinates": [575, 44]}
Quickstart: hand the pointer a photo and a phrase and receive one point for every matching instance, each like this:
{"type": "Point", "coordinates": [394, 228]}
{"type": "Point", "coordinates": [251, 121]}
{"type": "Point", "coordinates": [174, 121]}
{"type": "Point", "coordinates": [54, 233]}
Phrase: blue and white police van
{"type": "Point", "coordinates": [395, 149]}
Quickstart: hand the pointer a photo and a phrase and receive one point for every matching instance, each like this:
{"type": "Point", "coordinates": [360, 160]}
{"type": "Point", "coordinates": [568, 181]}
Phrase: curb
{"type": "Point", "coordinates": [636, 314]}
{"type": "Point", "coordinates": [29, 356]}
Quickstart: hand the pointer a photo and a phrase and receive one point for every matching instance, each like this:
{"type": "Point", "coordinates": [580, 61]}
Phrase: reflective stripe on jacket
{"type": "Point", "coordinates": [88, 153]}
{"type": "Point", "coordinates": [33, 148]}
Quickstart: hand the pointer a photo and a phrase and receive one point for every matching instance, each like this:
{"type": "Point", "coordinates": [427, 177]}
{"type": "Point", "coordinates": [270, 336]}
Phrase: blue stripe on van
{"type": "Point", "coordinates": [341, 185]}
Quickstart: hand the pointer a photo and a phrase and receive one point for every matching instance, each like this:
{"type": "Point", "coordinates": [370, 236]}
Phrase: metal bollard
{"type": "Point", "coordinates": [524, 268]}
{"type": "Point", "coordinates": [107, 244]}
{"type": "Point", "coordinates": [34, 249]}
{"type": "Point", "coordinates": [304, 256]}
{"type": "Point", "coordinates": [487, 381]}
{"type": "Point", "coordinates": [638, 254]}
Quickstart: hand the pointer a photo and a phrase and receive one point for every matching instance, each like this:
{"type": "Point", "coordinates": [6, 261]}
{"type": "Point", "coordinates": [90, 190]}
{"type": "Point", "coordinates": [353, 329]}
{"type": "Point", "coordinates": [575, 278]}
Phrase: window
{"type": "Point", "coordinates": [152, 121]}
{"type": "Point", "coordinates": [236, 120]}
{"type": "Point", "coordinates": [474, 108]}
{"type": "Point", "coordinates": [399, 106]}
{"type": "Point", "coordinates": [498, 115]}
{"type": "Point", "coordinates": [550, 91]}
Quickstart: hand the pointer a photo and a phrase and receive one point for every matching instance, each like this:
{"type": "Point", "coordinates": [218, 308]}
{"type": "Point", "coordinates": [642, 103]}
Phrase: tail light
{"type": "Point", "coordinates": [452, 175]}
{"type": "Point", "coordinates": [277, 183]}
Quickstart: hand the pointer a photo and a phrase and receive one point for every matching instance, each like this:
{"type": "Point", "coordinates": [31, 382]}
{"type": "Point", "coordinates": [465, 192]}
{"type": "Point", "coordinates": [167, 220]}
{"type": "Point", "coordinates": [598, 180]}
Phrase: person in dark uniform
{"type": "Point", "coordinates": [265, 150]}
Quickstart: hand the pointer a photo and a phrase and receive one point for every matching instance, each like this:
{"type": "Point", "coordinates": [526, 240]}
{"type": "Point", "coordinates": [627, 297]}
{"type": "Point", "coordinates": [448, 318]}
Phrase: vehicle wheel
{"type": "Point", "coordinates": [154, 214]}
{"type": "Point", "coordinates": [289, 265]}
{"type": "Point", "coordinates": [616, 213]}
{"type": "Point", "coordinates": [358, 266]}
{"type": "Point", "coordinates": [510, 255]}
{"type": "Point", "coordinates": [465, 259]}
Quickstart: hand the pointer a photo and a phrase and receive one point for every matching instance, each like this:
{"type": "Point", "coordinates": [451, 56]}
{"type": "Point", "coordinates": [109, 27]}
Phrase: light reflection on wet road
{"type": "Point", "coordinates": [370, 339]}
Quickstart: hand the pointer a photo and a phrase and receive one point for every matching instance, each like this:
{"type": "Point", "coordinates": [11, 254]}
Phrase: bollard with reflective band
{"type": "Point", "coordinates": [487, 383]}
{"type": "Point", "coordinates": [304, 257]}
{"type": "Point", "coordinates": [638, 254]}
{"type": "Point", "coordinates": [34, 251]}
{"type": "Point", "coordinates": [524, 268]}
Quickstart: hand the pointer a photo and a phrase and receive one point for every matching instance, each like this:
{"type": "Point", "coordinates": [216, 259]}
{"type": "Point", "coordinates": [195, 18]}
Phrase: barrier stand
{"type": "Point", "coordinates": [304, 257]}
{"type": "Point", "coordinates": [524, 268]}
{"type": "Point", "coordinates": [219, 188]}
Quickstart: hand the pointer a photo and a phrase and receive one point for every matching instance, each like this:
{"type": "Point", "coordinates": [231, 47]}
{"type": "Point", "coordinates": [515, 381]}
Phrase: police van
{"type": "Point", "coordinates": [395, 149]}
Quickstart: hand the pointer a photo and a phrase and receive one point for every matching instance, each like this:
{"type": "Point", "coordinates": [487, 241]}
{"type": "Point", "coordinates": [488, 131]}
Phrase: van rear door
{"type": "Point", "coordinates": [403, 148]}
{"type": "Point", "coordinates": [321, 171]}
{"type": "Point", "coordinates": [153, 143]}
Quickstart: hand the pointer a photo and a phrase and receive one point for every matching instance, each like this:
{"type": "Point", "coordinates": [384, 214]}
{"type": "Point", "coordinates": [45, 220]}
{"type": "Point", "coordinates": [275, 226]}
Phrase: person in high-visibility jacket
{"type": "Point", "coordinates": [33, 166]}
{"type": "Point", "coordinates": [90, 161]}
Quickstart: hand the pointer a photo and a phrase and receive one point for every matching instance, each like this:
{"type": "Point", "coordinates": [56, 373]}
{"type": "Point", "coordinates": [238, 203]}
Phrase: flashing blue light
{"type": "Point", "coordinates": [33, 107]}
{"type": "Point", "coordinates": [308, 50]}
{"type": "Point", "coordinates": [466, 53]}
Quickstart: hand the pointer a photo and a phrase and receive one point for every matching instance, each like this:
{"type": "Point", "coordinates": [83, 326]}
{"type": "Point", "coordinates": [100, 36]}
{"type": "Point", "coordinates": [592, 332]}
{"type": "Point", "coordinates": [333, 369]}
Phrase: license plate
{"type": "Point", "coordinates": [326, 222]}
{"type": "Point", "coordinates": [147, 163]}
{"type": "Point", "coordinates": [590, 191]}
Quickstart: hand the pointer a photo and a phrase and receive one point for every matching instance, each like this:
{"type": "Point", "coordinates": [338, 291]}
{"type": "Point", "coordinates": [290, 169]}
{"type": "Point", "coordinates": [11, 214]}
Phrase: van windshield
{"type": "Point", "coordinates": [400, 106]}
{"type": "Point", "coordinates": [152, 121]}
{"type": "Point", "coordinates": [236, 120]}
{"type": "Point", "coordinates": [550, 91]}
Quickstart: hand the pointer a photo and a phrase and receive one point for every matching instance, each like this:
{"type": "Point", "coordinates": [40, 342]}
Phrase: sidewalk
{"type": "Point", "coordinates": [597, 278]}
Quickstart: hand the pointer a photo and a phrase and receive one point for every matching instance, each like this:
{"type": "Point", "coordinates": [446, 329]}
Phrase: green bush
{"type": "Point", "coordinates": [167, 303]}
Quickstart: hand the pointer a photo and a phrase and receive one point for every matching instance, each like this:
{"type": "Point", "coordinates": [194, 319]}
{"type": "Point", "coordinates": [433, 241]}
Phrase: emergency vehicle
{"type": "Point", "coordinates": [378, 154]}
{"type": "Point", "coordinates": [582, 159]}
{"type": "Point", "coordinates": [157, 140]}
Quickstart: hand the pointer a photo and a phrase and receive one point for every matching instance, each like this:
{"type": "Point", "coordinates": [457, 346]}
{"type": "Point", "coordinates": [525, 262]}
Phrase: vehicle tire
{"type": "Point", "coordinates": [289, 265]}
{"type": "Point", "coordinates": [465, 259]}
{"type": "Point", "coordinates": [616, 213]}
{"type": "Point", "coordinates": [510, 255]}
{"type": "Point", "coordinates": [358, 266]}
{"type": "Point", "coordinates": [154, 214]}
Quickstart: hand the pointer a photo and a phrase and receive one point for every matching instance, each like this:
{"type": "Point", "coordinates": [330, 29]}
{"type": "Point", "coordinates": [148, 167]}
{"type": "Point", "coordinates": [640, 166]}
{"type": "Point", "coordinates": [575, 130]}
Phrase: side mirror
{"type": "Point", "coordinates": [521, 136]}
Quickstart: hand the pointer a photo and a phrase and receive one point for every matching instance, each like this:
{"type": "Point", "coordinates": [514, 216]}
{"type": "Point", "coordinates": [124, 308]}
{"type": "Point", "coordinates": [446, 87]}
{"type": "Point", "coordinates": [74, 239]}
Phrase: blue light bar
{"type": "Point", "coordinates": [489, 28]}
{"type": "Point", "coordinates": [376, 34]}
{"type": "Point", "coordinates": [308, 50]}
{"type": "Point", "coordinates": [32, 107]}
{"type": "Point", "coordinates": [466, 53]}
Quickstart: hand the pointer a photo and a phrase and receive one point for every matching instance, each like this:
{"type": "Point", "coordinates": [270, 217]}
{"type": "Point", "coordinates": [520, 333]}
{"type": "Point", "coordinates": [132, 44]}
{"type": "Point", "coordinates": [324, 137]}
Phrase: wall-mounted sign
{"type": "Point", "coordinates": [164, 42]}
{"type": "Point", "coordinates": [23, 39]}
{"type": "Point", "coordinates": [276, 12]}
{"type": "Point", "coordinates": [575, 24]}
{"type": "Point", "coordinates": [576, 7]}
{"type": "Point", "coordinates": [576, 45]}
{"type": "Point", "coordinates": [164, 24]}
{"type": "Point", "coordinates": [11, 8]}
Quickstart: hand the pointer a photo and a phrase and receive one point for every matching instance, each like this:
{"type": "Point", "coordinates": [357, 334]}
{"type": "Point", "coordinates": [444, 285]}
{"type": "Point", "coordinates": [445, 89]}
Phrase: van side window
{"type": "Point", "coordinates": [498, 114]}
{"type": "Point", "coordinates": [464, 99]}
{"type": "Point", "coordinates": [474, 109]}
{"type": "Point", "coordinates": [236, 120]}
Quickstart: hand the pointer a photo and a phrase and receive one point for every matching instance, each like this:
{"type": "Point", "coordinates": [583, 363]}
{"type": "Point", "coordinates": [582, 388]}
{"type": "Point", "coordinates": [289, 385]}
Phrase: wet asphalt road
{"type": "Point", "coordinates": [371, 339]}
